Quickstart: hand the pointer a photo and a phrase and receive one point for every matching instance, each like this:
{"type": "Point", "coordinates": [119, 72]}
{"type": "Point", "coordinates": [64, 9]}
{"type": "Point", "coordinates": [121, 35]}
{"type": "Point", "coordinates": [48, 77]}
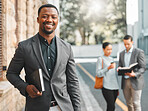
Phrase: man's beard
{"type": "Point", "coordinates": [47, 32]}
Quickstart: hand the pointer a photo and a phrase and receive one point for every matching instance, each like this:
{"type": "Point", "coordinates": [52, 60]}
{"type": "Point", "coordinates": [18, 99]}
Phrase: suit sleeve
{"type": "Point", "coordinates": [142, 64]}
{"type": "Point", "coordinates": [14, 69]}
{"type": "Point", "coordinates": [72, 82]}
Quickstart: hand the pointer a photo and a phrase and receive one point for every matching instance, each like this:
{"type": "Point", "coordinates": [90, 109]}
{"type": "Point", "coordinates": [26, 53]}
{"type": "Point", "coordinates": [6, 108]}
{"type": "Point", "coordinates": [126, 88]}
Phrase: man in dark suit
{"type": "Point", "coordinates": [132, 83]}
{"type": "Point", "coordinates": [54, 56]}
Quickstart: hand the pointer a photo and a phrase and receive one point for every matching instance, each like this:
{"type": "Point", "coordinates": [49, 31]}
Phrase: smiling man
{"type": "Point", "coordinates": [54, 56]}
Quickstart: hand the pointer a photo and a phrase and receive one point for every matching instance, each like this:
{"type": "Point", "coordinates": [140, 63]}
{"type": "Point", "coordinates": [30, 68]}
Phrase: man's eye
{"type": "Point", "coordinates": [44, 16]}
{"type": "Point", "coordinates": [54, 17]}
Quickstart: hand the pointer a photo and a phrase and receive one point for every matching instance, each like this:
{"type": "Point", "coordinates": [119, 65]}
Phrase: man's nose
{"type": "Point", "coordinates": [49, 19]}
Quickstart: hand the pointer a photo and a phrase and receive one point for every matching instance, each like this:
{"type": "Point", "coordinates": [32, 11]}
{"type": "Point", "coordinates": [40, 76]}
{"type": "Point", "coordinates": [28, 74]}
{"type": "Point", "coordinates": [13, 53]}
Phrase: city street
{"type": "Point", "coordinates": [92, 99]}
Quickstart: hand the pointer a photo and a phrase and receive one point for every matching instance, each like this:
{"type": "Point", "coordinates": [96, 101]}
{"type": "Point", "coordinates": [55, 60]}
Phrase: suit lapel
{"type": "Point", "coordinates": [132, 56]}
{"type": "Point", "coordinates": [59, 53]}
{"type": "Point", "coordinates": [37, 50]}
{"type": "Point", "coordinates": [123, 54]}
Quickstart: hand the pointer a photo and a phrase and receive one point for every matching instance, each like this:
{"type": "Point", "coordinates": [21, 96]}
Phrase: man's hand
{"type": "Point", "coordinates": [118, 69]}
{"type": "Point", "coordinates": [32, 91]}
{"type": "Point", "coordinates": [132, 74]}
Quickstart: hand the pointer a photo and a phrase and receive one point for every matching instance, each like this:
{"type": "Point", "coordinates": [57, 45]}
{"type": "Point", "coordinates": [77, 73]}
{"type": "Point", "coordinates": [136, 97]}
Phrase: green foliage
{"type": "Point", "coordinates": [69, 15]}
{"type": "Point", "coordinates": [101, 20]}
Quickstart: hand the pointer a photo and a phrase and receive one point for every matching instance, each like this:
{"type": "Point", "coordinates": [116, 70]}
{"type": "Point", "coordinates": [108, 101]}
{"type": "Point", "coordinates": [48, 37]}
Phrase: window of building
{"type": "Point", "coordinates": [0, 40]}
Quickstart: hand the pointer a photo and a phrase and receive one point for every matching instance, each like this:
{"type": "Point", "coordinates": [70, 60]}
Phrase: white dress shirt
{"type": "Point", "coordinates": [127, 58]}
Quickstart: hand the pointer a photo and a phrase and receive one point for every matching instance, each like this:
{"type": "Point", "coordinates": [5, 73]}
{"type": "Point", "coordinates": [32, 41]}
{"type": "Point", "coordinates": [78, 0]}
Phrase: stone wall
{"type": "Point", "coordinates": [10, 99]}
{"type": "Point", "coordinates": [19, 22]}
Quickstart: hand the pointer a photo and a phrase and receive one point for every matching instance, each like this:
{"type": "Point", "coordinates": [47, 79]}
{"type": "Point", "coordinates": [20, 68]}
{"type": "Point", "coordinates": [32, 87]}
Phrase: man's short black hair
{"type": "Point", "coordinates": [128, 37]}
{"type": "Point", "coordinates": [47, 5]}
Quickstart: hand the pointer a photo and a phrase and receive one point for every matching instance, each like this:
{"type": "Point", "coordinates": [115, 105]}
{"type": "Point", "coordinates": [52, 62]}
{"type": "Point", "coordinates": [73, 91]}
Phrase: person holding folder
{"type": "Point", "coordinates": [132, 82]}
{"type": "Point", "coordinates": [54, 56]}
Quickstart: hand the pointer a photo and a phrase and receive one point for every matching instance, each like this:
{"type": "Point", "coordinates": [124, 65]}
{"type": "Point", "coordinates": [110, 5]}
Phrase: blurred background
{"type": "Point", "coordinates": [85, 24]}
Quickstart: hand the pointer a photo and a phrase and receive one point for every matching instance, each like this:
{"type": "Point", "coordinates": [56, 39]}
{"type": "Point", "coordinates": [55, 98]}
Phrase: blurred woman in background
{"type": "Point", "coordinates": [110, 80]}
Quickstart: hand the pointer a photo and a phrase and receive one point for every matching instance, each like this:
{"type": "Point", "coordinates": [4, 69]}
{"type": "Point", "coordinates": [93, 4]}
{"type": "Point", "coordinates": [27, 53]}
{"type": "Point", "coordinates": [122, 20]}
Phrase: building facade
{"type": "Point", "coordinates": [18, 21]}
{"type": "Point", "coordinates": [137, 23]}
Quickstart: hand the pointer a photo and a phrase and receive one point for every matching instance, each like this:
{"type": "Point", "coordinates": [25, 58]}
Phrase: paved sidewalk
{"type": "Point", "coordinates": [88, 102]}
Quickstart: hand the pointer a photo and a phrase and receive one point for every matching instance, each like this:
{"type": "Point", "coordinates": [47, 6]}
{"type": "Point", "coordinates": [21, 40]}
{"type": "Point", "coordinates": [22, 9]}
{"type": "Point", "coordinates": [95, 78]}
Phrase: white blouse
{"type": "Point", "coordinates": [110, 80]}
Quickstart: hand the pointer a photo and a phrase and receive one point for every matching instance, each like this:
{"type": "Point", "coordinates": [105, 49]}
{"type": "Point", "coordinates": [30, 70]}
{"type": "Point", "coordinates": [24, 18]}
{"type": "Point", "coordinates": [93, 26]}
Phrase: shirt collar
{"type": "Point", "coordinates": [43, 40]}
{"type": "Point", "coordinates": [131, 49]}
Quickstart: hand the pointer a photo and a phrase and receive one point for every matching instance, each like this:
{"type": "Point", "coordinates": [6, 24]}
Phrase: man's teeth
{"type": "Point", "coordinates": [49, 24]}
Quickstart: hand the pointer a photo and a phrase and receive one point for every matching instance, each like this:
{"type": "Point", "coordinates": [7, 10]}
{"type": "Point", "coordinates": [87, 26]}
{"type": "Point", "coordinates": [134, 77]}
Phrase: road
{"type": "Point", "coordinates": [92, 99]}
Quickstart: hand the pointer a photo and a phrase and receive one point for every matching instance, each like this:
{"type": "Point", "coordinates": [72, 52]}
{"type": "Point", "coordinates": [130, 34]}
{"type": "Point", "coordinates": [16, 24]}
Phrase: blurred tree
{"type": "Point", "coordinates": [117, 18]}
{"type": "Point", "coordinates": [69, 19]}
{"type": "Point", "coordinates": [114, 26]}
{"type": "Point", "coordinates": [102, 20]}
{"type": "Point", "coordinates": [72, 19]}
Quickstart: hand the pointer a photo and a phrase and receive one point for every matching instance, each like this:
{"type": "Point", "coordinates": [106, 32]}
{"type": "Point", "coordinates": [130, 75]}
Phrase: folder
{"type": "Point", "coordinates": [123, 70]}
{"type": "Point", "coordinates": [36, 79]}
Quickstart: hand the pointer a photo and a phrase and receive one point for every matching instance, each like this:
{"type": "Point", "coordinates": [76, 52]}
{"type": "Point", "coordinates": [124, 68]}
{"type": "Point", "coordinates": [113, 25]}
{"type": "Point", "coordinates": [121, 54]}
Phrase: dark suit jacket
{"type": "Point", "coordinates": [137, 56]}
{"type": "Point", "coordinates": [64, 82]}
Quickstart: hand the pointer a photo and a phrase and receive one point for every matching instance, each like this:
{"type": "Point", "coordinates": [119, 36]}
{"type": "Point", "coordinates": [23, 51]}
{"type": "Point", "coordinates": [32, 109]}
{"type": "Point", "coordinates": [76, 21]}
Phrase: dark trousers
{"type": "Point", "coordinates": [110, 97]}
